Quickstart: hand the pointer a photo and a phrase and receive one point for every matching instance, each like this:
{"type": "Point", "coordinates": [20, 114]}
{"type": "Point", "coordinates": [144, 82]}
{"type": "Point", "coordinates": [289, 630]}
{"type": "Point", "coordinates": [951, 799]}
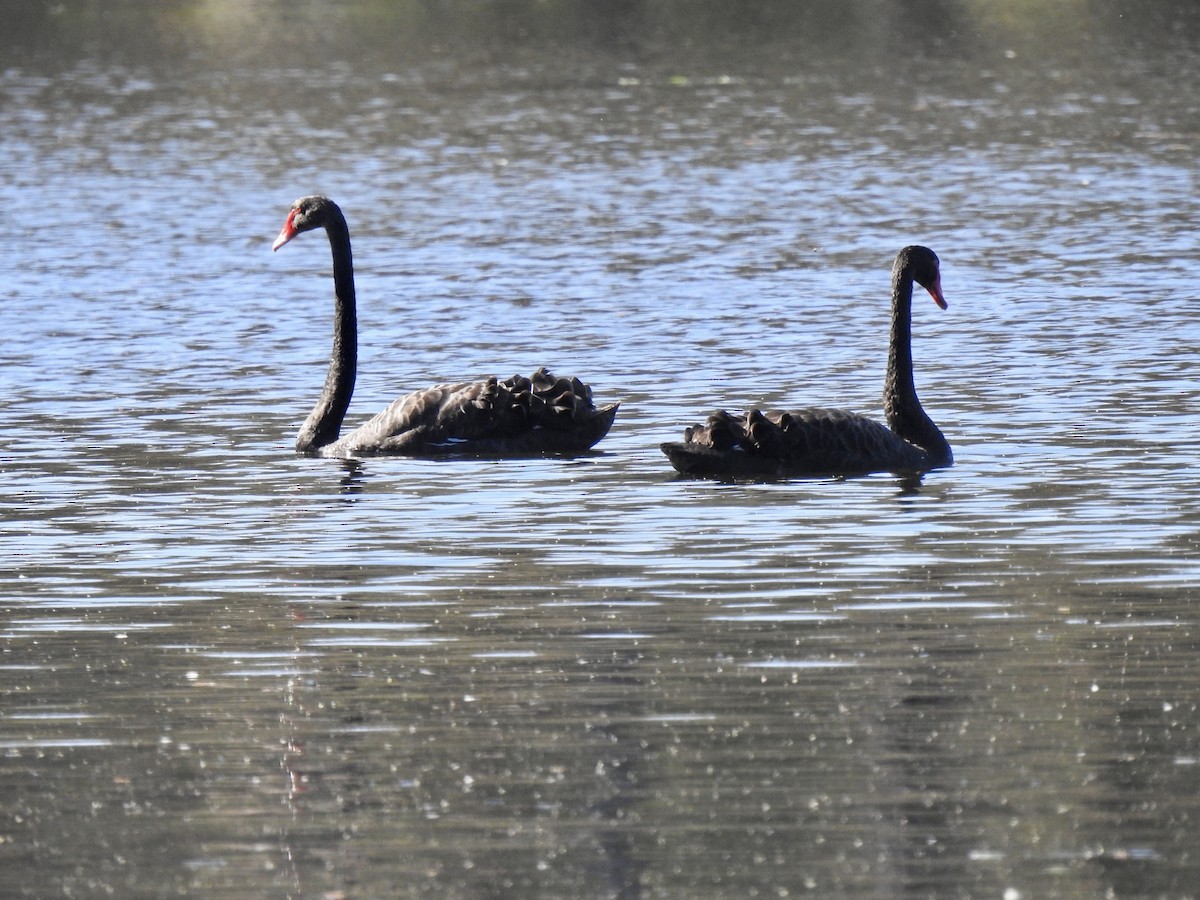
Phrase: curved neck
{"type": "Point", "coordinates": [903, 409]}
{"type": "Point", "coordinates": [325, 421]}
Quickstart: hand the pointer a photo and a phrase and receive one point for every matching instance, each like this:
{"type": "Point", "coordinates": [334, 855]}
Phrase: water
{"type": "Point", "coordinates": [230, 671]}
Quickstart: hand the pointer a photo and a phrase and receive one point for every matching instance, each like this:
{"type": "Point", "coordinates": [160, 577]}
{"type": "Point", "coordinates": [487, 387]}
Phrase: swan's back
{"type": "Point", "coordinates": [795, 443]}
{"type": "Point", "coordinates": [518, 416]}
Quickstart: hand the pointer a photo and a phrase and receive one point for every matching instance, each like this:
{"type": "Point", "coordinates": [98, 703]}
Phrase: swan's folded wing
{"type": "Point", "coordinates": [787, 443]}
{"type": "Point", "coordinates": [517, 415]}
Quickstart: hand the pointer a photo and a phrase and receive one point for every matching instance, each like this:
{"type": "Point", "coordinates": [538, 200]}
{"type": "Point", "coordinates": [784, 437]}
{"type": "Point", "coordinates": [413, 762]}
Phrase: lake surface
{"type": "Point", "coordinates": [229, 671]}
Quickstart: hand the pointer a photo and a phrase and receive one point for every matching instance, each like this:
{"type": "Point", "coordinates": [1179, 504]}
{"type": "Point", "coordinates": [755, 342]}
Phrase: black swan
{"type": "Point", "coordinates": [821, 442]}
{"type": "Point", "coordinates": [515, 417]}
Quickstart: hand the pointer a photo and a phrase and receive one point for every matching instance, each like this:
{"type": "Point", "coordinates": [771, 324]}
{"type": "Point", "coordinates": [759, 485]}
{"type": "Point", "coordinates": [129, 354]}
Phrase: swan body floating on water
{"type": "Point", "coordinates": [823, 442]}
{"type": "Point", "coordinates": [519, 416]}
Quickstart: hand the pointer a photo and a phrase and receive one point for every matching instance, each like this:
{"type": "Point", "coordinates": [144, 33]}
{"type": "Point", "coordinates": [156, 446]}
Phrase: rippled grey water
{"type": "Point", "coordinates": [230, 671]}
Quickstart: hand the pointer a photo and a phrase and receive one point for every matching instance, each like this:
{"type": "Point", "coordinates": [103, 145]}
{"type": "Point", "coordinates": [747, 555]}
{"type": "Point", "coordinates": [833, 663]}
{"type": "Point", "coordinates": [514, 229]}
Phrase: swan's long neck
{"type": "Point", "coordinates": [325, 421]}
{"type": "Point", "coordinates": [903, 408]}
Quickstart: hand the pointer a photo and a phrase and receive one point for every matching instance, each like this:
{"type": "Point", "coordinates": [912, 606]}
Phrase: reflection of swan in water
{"type": "Point", "coordinates": [518, 416]}
{"type": "Point", "coordinates": [354, 479]}
{"type": "Point", "coordinates": [832, 441]}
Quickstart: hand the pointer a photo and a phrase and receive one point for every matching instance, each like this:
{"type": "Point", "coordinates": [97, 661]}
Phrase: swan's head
{"type": "Point", "coordinates": [306, 214]}
{"type": "Point", "coordinates": [922, 266]}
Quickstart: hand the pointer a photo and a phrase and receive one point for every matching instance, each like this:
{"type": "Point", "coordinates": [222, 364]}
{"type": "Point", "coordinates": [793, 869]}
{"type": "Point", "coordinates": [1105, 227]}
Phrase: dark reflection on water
{"type": "Point", "coordinates": [230, 671]}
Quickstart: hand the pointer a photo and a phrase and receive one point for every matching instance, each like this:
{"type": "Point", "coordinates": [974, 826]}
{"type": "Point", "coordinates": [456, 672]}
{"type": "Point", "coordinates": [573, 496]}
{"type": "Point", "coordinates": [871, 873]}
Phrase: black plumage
{"type": "Point", "coordinates": [515, 417]}
{"type": "Point", "coordinates": [820, 442]}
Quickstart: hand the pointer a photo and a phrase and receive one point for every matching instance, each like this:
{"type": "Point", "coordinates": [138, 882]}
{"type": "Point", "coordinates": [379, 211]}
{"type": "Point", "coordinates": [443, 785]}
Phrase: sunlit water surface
{"type": "Point", "coordinates": [230, 671]}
